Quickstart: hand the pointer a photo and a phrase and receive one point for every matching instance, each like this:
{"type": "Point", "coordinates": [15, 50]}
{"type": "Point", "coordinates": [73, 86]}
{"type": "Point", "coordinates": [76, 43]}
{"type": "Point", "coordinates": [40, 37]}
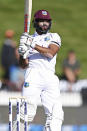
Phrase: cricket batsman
{"type": "Point", "coordinates": [40, 79]}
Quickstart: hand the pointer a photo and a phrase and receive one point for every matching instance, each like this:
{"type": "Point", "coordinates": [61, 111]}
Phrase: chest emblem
{"type": "Point", "coordinates": [26, 84]}
{"type": "Point", "coordinates": [47, 38]}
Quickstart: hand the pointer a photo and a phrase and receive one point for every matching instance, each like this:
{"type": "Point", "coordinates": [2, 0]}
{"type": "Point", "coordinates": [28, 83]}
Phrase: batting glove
{"type": "Point", "coordinates": [33, 44]}
{"type": "Point", "coordinates": [22, 49]}
{"type": "Point", "coordinates": [26, 39]}
{"type": "Point", "coordinates": [25, 42]}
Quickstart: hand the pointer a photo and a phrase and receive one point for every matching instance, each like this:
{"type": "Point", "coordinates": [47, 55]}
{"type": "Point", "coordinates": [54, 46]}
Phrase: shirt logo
{"type": "Point", "coordinates": [26, 84]}
{"type": "Point", "coordinates": [44, 13]}
{"type": "Point", "coordinates": [47, 39]}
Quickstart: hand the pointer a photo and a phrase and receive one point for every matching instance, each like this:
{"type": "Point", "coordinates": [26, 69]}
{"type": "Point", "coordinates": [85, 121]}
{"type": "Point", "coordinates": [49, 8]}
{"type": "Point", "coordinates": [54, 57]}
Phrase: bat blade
{"type": "Point", "coordinates": [27, 15]}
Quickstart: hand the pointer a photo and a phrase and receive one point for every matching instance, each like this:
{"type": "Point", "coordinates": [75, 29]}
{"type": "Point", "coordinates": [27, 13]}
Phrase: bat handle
{"type": "Point", "coordinates": [26, 23]}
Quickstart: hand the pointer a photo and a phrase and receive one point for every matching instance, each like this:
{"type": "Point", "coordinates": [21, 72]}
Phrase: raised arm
{"type": "Point", "coordinates": [48, 52]}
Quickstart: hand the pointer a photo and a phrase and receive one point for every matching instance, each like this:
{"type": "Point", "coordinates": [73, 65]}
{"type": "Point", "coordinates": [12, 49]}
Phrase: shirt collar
{"type": "Point", "coordinates": [36, 34]}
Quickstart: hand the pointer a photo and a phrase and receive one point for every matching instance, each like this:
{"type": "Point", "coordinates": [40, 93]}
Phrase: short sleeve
{"type": "Point", "coordinates": [55, 38]}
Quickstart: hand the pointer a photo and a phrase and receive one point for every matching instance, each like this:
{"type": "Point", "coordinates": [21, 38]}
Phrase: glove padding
{"type": "Point", "coordinates": [26, 39]}
{"type": "Point", "coordinates": [25, 42]}
{"type": "Point", "coordinates": [22, 49]}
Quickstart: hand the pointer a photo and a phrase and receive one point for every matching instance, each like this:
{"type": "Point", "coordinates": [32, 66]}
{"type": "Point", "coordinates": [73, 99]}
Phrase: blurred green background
{"type": "Point", "coordinates": [69, 20]}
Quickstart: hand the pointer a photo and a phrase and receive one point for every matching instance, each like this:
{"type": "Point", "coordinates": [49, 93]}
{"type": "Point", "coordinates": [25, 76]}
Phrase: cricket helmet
{"type": "Point", "coordinates": [42, 15]}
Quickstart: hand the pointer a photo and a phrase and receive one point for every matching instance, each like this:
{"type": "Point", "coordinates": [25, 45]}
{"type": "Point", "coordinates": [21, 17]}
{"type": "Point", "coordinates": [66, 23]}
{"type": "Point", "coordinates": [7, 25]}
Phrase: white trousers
{"type": "Point", "coordinates": [45, 85]}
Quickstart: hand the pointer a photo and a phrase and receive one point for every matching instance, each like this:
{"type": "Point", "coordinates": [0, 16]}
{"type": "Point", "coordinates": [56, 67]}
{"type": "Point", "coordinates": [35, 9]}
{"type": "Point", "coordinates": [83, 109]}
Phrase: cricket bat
{"type": "Point", "coordinates": [27, 20]}
{"type": "Point", "coordinates": [27, 15]}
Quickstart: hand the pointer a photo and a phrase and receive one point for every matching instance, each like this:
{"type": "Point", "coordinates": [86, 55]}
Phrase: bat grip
{"type": "Point", "coordinates": [26, 23]}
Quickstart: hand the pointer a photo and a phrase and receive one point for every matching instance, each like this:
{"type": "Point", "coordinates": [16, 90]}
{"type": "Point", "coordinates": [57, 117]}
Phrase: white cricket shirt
{"type": "Point", "coordinates": [36, 59]}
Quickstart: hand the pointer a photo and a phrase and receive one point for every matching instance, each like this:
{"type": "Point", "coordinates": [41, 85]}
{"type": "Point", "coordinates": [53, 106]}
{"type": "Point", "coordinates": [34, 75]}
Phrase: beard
{"type": "Point", "coordinates": [42, 28]}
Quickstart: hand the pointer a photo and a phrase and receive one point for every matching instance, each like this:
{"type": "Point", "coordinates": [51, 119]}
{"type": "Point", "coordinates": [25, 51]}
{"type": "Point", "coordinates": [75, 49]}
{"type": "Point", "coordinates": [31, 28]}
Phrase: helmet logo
{"type": "Point", "coordinates": [44, 13]}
